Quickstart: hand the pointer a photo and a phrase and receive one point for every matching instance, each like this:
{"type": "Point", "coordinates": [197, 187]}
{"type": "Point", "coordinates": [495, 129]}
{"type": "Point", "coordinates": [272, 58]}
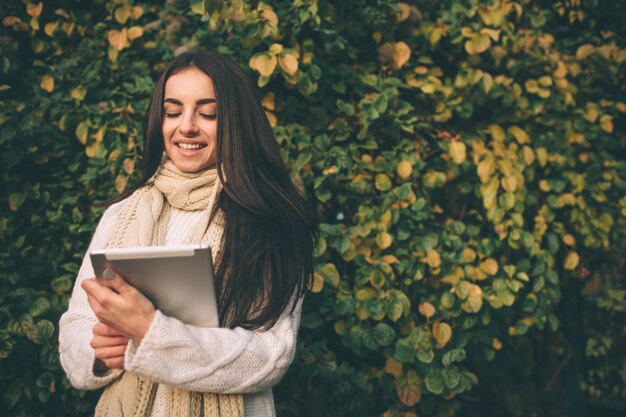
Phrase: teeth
{"type": "Point", "coordinates": [189, 146]}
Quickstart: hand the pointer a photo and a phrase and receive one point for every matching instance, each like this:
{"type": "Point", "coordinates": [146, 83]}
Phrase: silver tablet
{"type": "Point", "coordinates": [177, 279]}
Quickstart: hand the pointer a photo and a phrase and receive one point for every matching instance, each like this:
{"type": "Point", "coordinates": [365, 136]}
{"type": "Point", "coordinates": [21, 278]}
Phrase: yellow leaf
{"type": "Point", "coordinates": [497, 133]}
{"type": "Point", "coordinates": [384, 240]}
{"type": "Point", "coordinates": [275, 48]}
{"type": "Point", "coordinates": [528, 155]}
{"type": "Point", "coordinates": [477, 44]}
{"type": "Point", "coordinates": [468, 256]}
{"type": "Point", "coordinates": [49, 28]}
{"type": "Point", "coordinates": [442, 332]}
{"type": "Point", "coordinates": [486, 168]}
{"type": "Point", "coordinates": [496, 344]}
{"type": "Point", "coordinates": [137, 12]}
{"type": "Point", "coordinates": [264, 63]}
{"type": "Point", "coordinates": [47, 83]}
{"type": "Point", "coordinates": [92, 150]}
{"type": "Point", "coordinates": [68, 27]}
{"type": "Point", "coordinates": [365, 294]}
{"type": "Point", "coordinates": [128, 165]}
{"type": "Point", "coordinates": [433, 259]}
{"type": "Point", "coordinates": [519, 134]}
{"type": "Point", "coordinates": [426, 309]}
{"type": "Point", "coordinates": [490, 266]}
{"type": "Point", "coordinates": [135, 32]}
{"type": "Point", "coordinates": [405, 12]}
{"type": "Point", "coordinates": [11, 20]}
{"type": "Point", "coordinates": [490, 193]}
{"type": "Point", "coordinates": [78, 93]}
{"type": "Point", "coordinates": [401, 54]}
{"type": "Point", "coordinates": [117, 39]}
{"type": "Point", "coordinates": [383, 182]}
{"type": "Point", "coordinates": [544, 93]}
{"type": "Point", "coordinates": [474, 301]}
{"type": "Point", "coordinates": [560, 71]}
{"type": "Point", "coordinates": [34, 10]}
{"type": "Point", "coordinates": [100, 134]}
{"type": "Point", "coordinates": [584, 51]}
{"type": "Point", "coordinates": [81, 132]}
{"type": "Point", "coordinates": [492, 17]}
{"type": "Point", "coordinates": [404, 169]}
{"type": "Point", "coordinates": [606, 123]}
{"type": "Point", "coordinates": [391, 259]}
{"type": "Point", "coordinates": [542, 156]}
{"type": "Point", "coordinates": [318, 282]}
{"type": "Point", "coordinates": [571, 261]}
{"type": "Point", "coordinates": [492, 33]}
{"type": "Point", "coordinates": [569, 240]}
{"type": "Point", "coordinates": [288, 63]}
{"type": "Point", "coordinates": [393, 367]}
{"type": "Point", "coordinates": [120, 183]}
{"type": "Point", "coordinates": [112, 53]}
{"type": "Point", "coordinates": [123, 13]}
{"type": "Point", "coordinates": [457, 151]}
{"type": "Point", "coordinates": [268, 101]}
{"type": "Point", "coordinates": [271, 117]}
{"type": "Point", "coordinates": [509, 183]}
{"type": "Point", "coordinates": [545, 81]}
{"type": "Point", "coordinates": [487, 82]}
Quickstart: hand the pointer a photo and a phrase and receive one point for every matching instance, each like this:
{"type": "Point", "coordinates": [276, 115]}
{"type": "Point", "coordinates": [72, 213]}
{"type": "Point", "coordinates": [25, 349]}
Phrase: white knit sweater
{"type": "Point", "coordinates": [218, 360]}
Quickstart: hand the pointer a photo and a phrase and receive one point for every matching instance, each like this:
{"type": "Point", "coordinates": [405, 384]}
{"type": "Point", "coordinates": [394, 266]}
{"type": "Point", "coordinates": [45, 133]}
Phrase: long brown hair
{"type": "Point", "coordinates": [266, 259]}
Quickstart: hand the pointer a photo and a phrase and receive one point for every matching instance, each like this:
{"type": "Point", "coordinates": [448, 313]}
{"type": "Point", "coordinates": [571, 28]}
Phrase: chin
{"type": "Point", "coordinates": [187, 165]}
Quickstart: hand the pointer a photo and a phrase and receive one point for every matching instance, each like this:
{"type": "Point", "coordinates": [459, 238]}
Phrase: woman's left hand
{"type": "Point", "coordinates": [120, 305]}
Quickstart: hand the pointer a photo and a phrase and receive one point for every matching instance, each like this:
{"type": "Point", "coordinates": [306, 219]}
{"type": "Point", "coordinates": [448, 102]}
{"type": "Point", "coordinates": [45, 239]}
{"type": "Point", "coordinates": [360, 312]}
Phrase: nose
{"type": "Point", "coordinates": [188, 126]}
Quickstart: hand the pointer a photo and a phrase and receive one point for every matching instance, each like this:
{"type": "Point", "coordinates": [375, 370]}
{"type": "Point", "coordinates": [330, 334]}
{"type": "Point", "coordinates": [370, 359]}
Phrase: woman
{"type": "Point", "coordinates": [212, 173]}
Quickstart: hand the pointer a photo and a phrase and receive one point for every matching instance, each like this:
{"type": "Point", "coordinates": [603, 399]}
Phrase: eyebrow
{"type": "Point", "coordinates": [180, 103]}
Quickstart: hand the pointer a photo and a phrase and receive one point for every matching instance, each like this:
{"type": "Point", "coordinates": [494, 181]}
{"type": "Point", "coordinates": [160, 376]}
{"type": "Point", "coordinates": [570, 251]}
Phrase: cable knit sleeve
{"type": "Point", "coordinates": [219, 360]}
{"type": "Point", "coordinates": [76, 324]}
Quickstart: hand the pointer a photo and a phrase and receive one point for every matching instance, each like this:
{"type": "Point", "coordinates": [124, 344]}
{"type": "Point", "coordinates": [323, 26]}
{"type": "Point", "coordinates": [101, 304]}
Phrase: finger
{"type": "Point", "coordinates": [110, 352]}
{"type": "Point", "coordinates": [114, 363]}
{"type": "Point", "coordinates": [104, 296]}
{"type": "Point", "coordinates": [102, 329]}
{"type": "Point", "coordinates": [114, 281]}
{"type": "Point", "coordinates": [103, 341]}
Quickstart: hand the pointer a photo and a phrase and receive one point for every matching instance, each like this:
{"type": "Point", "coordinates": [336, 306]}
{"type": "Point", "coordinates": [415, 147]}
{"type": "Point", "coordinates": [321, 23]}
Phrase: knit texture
{"type": "Point", "coordinates": [143, 222]}
{"type": "Point", "coordinates": [208, 360]}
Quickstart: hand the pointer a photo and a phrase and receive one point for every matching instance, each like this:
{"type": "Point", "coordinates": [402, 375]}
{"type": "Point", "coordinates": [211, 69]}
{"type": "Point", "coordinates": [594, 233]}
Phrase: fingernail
{"type": "Point", "coordinates": [108, 274]}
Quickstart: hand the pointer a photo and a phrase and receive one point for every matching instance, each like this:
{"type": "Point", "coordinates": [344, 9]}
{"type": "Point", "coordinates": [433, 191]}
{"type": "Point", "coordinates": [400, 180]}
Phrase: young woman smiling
{"type": "Point", "coordinates": [211, 173]}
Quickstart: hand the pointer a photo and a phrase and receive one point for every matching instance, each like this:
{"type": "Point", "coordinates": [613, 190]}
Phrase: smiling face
{"type": "Point", "coordinates": [190, 120]}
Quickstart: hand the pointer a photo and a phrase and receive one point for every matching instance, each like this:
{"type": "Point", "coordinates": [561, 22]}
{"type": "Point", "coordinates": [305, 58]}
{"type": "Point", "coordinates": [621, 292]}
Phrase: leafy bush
{"type": "Point", "coordinates": [466, 159]}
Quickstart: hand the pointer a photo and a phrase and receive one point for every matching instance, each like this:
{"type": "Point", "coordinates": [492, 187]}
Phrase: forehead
{"type": "Point", "coordinates": [189, 84]}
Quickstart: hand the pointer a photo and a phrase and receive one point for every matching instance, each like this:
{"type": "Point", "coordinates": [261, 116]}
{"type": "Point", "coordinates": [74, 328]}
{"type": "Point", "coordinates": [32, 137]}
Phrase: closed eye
{"type": "Point", "coordinates": [206, 116]}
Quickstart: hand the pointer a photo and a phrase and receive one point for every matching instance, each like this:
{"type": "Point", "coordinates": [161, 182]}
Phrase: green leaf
{"type": "Point", "coordinates": [41, 332]}
{"type": "Point", "coordinates": [40, 306]}
{"type": "Point", "coordinates": [452, 356]}
{"type": "Point", "coordinates": [16, 200]}
{"type": "Point", "coordinates": [434, 382]}
{"type": "Point", "coordinates": [451, 377]}
{"type": "Point", "coordinates": [405, 352]}
{"type": "Point", "coordinates": [394, 309]}
{"type": "Point", "coordinates": [425, 355]}
{"type": "Point", "coordinates": [383, 334]}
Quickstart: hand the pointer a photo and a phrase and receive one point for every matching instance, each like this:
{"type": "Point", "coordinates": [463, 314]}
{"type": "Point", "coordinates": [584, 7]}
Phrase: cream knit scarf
{"type": "Point", "coordinates": [143, 222]}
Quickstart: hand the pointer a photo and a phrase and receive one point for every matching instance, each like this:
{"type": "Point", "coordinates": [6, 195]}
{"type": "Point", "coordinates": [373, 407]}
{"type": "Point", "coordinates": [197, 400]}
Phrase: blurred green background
{"type": "Point", "coordinates": [466, 159]}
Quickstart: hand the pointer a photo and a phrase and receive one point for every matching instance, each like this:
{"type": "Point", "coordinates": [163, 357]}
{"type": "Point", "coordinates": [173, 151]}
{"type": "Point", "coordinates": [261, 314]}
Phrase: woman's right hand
{"type": "Point", "coordinates": [109, 345]}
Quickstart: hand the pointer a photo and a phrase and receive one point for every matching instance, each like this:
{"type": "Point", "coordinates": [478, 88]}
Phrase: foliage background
{"type": "Point", "coordinates": [466, 159]}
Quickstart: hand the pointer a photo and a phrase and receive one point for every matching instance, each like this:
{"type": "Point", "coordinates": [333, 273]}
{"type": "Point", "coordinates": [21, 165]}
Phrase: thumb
{"type": "Point", "coordinates": [113, 280]}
